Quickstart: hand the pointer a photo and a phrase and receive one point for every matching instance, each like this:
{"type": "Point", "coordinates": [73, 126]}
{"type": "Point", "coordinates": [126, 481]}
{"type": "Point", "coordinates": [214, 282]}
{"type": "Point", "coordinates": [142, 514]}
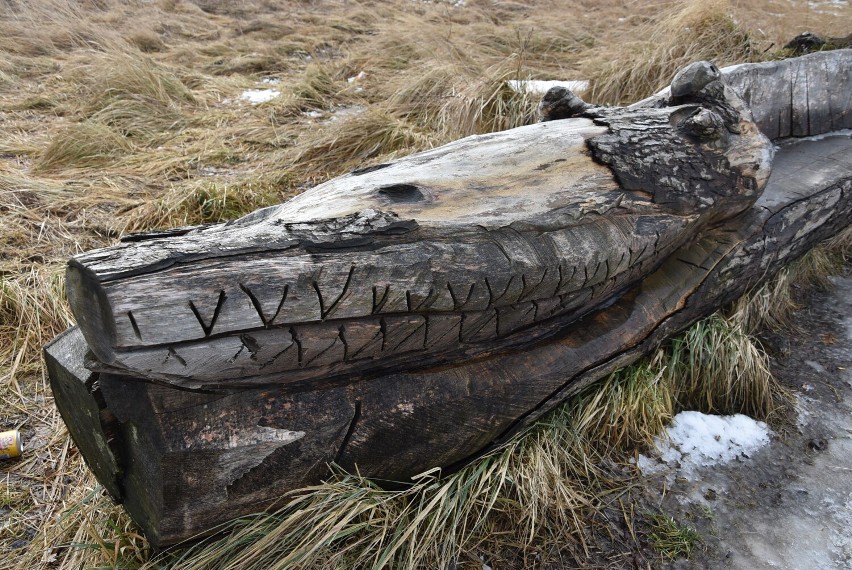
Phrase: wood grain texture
{"type": "Point", "coordinates": [78, 398]}
{"type": "Point", "coordinates": [797, 97]}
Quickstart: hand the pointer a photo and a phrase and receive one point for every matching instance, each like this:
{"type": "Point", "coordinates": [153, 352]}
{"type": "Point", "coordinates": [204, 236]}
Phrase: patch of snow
{"type": "Point", "coordinates": [346, 112]}
{"type": "Point", "coordinates": [453, 3]}
{"type": "Point", "coordinates": [695, 440]}
{"type": "Point", "coordinates": [212, 171]}
{"type": "Point", "coordinates": [313, 114]}
{"type": "Point", "coordinates": [361, 75]}
{"type": "Point", "coordinates": [256, 96]}
{"type": "Point", "coordinates": [540, 87]}
{"type": "Point", "coordinates": [828, 6]}
{"type": "Point", "coordinates": [803, 416]}
{"type": "Point", "coordinates": [270, 80]}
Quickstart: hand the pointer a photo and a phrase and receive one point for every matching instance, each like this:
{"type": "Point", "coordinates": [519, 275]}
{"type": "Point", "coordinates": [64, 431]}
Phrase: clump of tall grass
{"type": "Point", "coordinates": [198, 202]}
{"type": "Point", "coordinates": [629, 407]}
{"type": "Point", "coordinates": [443, 104]}
{"type": "Point", "coordinates": [717, 368]}
{"type": "Point", "coordinates": [458, 99]}
{"type": "Point", "coordinates": [691, 31]}
{"type": "Point", "coordinates": [6, 79]}
{"type": "Point", "coordinates": [355, 140]}
{"type": "Point", "coordinates": [487, 104]}
{"type": "Point", "coordinates": [841, 244]}
{"type": "Point", "coordinates": [32, 311]}
{"type": "Point", "coordinates": [133, 94]}
{"type": "Point", "coordinates": [317, 90]}
{"type": "Point", "coordinates": [82, 145]}
{"type": "Point", "coordinates": [46, 27]}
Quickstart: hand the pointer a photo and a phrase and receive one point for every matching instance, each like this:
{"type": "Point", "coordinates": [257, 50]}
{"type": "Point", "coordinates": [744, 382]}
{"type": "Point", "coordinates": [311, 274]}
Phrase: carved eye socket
{"type": "Point", "coordinates": [402, 193]}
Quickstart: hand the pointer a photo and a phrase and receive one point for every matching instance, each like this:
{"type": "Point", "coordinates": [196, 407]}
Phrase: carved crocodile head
{"type": "Point", "coordinates": [484, 244]}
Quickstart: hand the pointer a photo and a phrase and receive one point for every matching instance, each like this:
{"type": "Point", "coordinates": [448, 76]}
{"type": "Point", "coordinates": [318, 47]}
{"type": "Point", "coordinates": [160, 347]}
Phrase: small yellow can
{"type": "Point", "coordinates": [10, 444]}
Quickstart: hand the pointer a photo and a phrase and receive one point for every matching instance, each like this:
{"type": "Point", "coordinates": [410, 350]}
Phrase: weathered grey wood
{"type": "Point", "coordinates": [447, 254]}
{"type": "Point", "coordinates": [414, 315]}
{"type": "Point", "coordinates": [77, 395]}
{"type": "Point", "coordinates": [796, 97]}
{"type": "Point", "coordinates": [195, 459]}
{"type": "Point", "coordinates": [818, 87]}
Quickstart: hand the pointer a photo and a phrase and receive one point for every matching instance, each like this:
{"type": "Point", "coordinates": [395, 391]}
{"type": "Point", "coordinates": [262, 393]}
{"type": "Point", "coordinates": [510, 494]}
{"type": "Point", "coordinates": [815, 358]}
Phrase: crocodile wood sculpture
{"type": "Point", "coordinates": [413, 315]}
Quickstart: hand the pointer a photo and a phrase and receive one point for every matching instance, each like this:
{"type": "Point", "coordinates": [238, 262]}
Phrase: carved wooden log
{"type": "Point", "coordinates": [444, 255]}
{"type": "Point", "coordinates": [415, 314]}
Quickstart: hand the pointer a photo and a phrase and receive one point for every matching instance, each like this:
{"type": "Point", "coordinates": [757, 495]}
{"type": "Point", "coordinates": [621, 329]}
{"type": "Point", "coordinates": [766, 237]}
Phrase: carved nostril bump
{"type": "Point", "coordinates": [402, 193]}
{"type": "Point", "coordinates": [693, 78]}
{"type": "Point", "coordinates": [704, 124]}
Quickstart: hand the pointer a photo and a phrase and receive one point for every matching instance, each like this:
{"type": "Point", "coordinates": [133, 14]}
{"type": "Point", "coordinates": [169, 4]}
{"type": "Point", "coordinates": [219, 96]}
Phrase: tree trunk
{"type": "Point", "coordinates": [416, 314]}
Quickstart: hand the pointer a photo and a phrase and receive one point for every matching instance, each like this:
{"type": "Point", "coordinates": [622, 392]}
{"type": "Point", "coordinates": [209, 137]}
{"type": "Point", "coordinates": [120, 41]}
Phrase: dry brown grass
{"type": "Point", "coordinates": [687, 32]}
{"type": "Point", "coordinates": [119, 116]}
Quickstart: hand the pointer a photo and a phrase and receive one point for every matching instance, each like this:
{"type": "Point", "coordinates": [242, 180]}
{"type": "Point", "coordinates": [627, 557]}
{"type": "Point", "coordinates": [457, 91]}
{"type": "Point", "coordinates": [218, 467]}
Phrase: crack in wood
{"type": "Point", "coordinates": [456, 305]}
{"type": "Point", "coordinates": [469, 295]}
{"type": "Point", "coordinates": [325, 313]}
{"type": "Point", "coordinates": [300, 355]}
{"type": "Point", "coordinates": [208, 329]}
{"type": "Point", "coordinates": [690, 263]}
{"type": "Point", "coordinates": [410, 335]}
{"type": "Point", "coordinates": [506, 289]}
{"type": "Point", "coordinates": [490, 292]}
{"type": "Point", "coordinates": [276, 356]}
{"type": "Point", "coordinates": [428, 301]}
{"type": "Point", "coordinates": [378, 304]}
{"type": "Point", "coordinates": [251, 344]}
{"type": "Point", "coordinates": [237, 354]}
{"type": "Point", "coordinates": [349, 432]}
{"type": "Point", "coordinates": [341, 335]}
{"type": "Point", "coordinates": [540, 281]}
{"type": "Point", "coordinates": [633, 259]}
{"type": "Point", "coordinates": [523, 286]}
{"type": "Point", "coordinates": [383, 329]}
{"type": "Point", "coordinates": [267, 322]}
{"type": "Point", "coordinates": [134, 325]}
{"type": "Point", "coordinates": [322, 352]}
{"type": "Point", "coordinates": [173, 354]}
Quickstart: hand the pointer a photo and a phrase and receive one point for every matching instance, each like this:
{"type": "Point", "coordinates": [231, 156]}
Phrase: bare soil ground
{"type": "Point", "coordinates": [790, 505]}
